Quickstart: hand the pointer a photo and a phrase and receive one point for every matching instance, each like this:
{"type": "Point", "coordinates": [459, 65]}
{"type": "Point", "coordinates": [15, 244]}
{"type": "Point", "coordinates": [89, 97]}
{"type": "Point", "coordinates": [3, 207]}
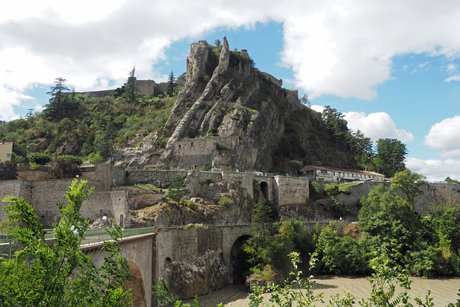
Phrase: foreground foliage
{"type": "Point", "coordinates": [299, 292]}
{"type": "Point", "coordinates": [61, 275]}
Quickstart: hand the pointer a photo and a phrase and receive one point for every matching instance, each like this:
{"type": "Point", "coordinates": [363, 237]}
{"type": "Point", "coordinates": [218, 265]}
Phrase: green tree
{"type": "Point", "coordinates": [336, 124]}
{"type": "Point", "coordinates": [171, 84]}
{"type": "Point", "coordinates": [387, 221]}
{"type": "Point", "coordinates": [263, 215]}
{"type": "Point", "coordinates": [60, 103]}
{"type": "Point", "coordinates": [61, 275]}
{"type": "Point", "coordinates": [40, 158]}
{"type": "Point", "coordinates": [452, 180]}
{"type": "Point", "coordinates": [182, 77]}
{"type": "Point", "coordinates": [361, 147]}
{"type": "Point", "coordinates": [217, 42]}
{"type": "Point", "coordinates": [305, 100]}
{"type": "Point", "coordinates": [176, 189]}
{"type": "Point", "coordinates": [409, 183]}
{"type": "Point", "coordinates": [391, 154]}
{"type": "Point", "coordinates": [340, 254]}
{"type": "Point", "coordinates": [131, 86]}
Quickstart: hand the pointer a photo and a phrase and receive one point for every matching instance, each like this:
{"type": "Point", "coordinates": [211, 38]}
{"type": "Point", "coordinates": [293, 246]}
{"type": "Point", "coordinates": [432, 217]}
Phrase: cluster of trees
{"type": "Point", "coordinates": [386, 156]}
{"type": "Point", "coordinates": [395, 242]}
{"type": "Point", "coordinates": [87, 126]}
{"type": "Point", "coordinates": [425, 246]}
{"type": "Point", "coordinates": [61, 274]}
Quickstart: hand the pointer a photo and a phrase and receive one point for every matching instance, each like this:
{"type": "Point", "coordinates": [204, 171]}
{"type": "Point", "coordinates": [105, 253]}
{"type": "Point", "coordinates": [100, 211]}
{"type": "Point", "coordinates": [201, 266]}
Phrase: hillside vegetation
{"type": "Point", "coordinates": [224, 96]}
{"type": "Point", "coordinates": [95, 128]}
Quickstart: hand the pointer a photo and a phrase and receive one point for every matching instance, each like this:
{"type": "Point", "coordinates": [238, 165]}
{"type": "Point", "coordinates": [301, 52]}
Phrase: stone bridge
{"type": "Point", "coordinates": [150, 254]}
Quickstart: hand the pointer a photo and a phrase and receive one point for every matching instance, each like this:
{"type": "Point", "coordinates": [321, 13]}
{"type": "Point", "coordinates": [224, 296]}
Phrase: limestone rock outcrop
{"type": "Point", "coordinates": [206, 274]}
{"type": "Point", "coordinates": [228, 114]}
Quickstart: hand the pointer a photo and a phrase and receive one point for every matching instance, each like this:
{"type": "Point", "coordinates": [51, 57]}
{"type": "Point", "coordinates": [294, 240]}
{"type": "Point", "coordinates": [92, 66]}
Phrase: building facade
{"type": "Point", "coordinates": [323, 173]}
{"type": "Point", "coordinates": [6, 151]}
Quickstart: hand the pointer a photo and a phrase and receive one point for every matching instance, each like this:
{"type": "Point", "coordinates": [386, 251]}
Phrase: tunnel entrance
{"type": "Point", "coordinates": [136, 283]}
{"type": "Point", "coordinates": [264, 189]}
{"type": "Point", "coordinates": [238, 263]}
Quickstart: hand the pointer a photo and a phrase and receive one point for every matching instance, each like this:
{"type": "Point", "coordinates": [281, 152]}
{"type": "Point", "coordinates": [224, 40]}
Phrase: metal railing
{"type": "Point", "coordinates": [6, 246]}
{"type": "Point", "coordinates": [90, 236]}
{"type": "Point", "coordinates": [100, 234]}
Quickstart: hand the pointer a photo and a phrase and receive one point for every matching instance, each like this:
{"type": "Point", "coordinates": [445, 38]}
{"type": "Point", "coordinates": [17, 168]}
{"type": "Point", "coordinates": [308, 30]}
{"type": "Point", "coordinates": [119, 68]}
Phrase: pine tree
{"type": "Point", "coordinates": [171, 81]}
{"type": "Point", "coordinates": [56, 108]}
{"type": "Point", "coordinates": [131, 85]}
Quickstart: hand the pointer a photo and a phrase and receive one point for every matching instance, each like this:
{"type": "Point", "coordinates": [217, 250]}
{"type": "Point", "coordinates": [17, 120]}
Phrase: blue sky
{"type": "Point", "coordinates": [391, 67]}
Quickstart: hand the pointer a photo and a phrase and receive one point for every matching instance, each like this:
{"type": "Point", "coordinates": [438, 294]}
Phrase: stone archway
{"type": "Point", "coordinates": [136, 283]}
{"type": "Point", "coordinates": [238, 263]}
{"type": "Point", "coordinates": [264, 189]}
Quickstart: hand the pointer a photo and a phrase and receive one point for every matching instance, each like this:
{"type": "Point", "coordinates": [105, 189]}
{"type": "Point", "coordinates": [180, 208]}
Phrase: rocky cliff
{"type": "Point", "coordinates": [231, 115]}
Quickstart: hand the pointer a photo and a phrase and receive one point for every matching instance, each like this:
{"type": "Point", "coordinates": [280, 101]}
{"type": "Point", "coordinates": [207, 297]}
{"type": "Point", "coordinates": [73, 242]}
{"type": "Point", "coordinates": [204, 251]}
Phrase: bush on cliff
{"type": "Point", "coordinates": [176, 189]}
{"type": "Point", "coordinates": [39, 158]}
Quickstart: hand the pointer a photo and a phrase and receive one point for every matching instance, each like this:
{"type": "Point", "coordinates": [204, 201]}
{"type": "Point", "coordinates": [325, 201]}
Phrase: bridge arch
{"type": "Point", "coordinates": [238, 266]}
{"type": "Point", "coordinates": [136, 283]}
{"type": "Point", "coordinates": [265, 190]}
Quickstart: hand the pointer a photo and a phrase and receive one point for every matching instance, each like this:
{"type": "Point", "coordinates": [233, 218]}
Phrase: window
{"type": "Point", "coordinates": [8, 155]}
{"type": "Point", "coordinates": [191, 144]}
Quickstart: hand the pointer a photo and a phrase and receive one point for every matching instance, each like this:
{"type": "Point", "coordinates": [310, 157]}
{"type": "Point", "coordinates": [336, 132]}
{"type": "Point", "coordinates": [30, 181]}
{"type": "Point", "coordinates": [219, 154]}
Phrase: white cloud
{"type": "Point", "coordinates": [317, 108]}
{"type": "Point", "coordinates": [445, 137]}
{"type": "Point", "coordinates": [435, 170]}
{"type": "Point", "coordinates": [348, 51]}
{"type": "Point", "coordinates": [334, 47]}
{"type": "Point", "coordinates": [377, 125]}
{"type": "Point", "coordinates": [453, 78]}
{"type": "Point", "coordinates": [451, 67]}
{"type": "Point", "coordinates": [420, 67]}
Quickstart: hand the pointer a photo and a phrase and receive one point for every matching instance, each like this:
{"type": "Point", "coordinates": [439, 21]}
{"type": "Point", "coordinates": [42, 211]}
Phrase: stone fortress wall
{"type": "Point", "coordinates": [199, 151]}
{"type": "Point", "coordinates": [44, 194]}
{"type": "Point", "coordinates": [143, 87]}
{"type": "Point", "coordinates": [114, 202]}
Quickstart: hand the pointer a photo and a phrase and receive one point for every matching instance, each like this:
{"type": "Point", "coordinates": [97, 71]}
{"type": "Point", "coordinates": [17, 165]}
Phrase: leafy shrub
{"type": "Point", "coordinates": [163, 141]}
{"type": "Point", "coordinates": [39, 158]}
{"type": "Point", "coordinates": [175, 189]}
{"type": "Point", "coordinates": [331, 189]}
{"type": "Point", "coordinates": [70, 158]}
{"type": "Point", "coordinates": [183, 202]}
{"type": "Point", "coordinates": [192, 206]}
{"type": "Point", "coordinates": [225, 202]}
{"type": "Point", "coordinates": [209, 179]}
{"type": "Point", "coordinates": [346, 190]}
{"type": "Point", "coordinates": [8, 170]}
{"type": "Point", "coordinates": [256, 183]}
{"type": "Point", "coordinates": [33, 166]}
{"type": "Point", "coordinates": [211, 132]}
{"type": "Point", "coordinates": [338, 206]}
{"type": "Point", "coordinates": [314, 188]}
{"type": "Point", "coordinates": [222, 146]}
{"type": "Point", "coordinates": [65, 169]}
{"type": "Point", "coordinates": [95, 158]}
{"type": "Point", "coordinates": [340, 255]}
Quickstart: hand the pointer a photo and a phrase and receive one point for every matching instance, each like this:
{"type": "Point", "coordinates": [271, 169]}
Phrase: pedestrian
{"type": "Point", "coordinates": [106, 220]}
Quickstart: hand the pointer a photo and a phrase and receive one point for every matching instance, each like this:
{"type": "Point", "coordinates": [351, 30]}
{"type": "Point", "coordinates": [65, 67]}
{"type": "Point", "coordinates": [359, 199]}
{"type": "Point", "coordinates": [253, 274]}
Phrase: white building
{"type": "Point", "coordinates": [324, 173]}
